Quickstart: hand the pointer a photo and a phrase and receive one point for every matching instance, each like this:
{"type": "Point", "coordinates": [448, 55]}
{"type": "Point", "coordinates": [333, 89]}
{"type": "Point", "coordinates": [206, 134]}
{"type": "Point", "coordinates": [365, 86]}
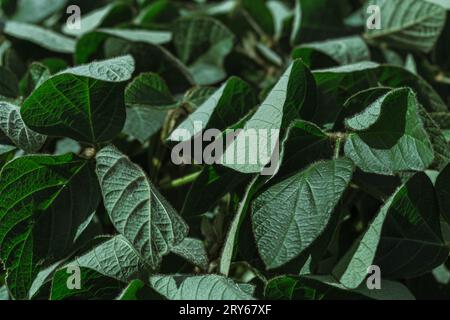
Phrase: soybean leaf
{"type": "Point", "coordinates": [283, 223]}
{"type": "Point", "coordinates": [93, 286]}
{"type": "Point", "coordinates": [203, 44]}
{"type": "Point", "coordinates": [259, 12]}
{"type": "Point", "coordinates": [390, 136]}
{"type": "Point", "coordinates": [404, 239]}
{"type": "Point", "coordinates": [148, 99]}
{"type": "Point", "coordinates": [342, 50]}
{"type": "Point", "coordinates": [36, 11]}
{"type": "Point", "coordinates": [337, 84]}
{"type": "Point", "coordinates": [193, 250]}
{"type": "Point", "coordinates": [14, 128]}
{"type": "Point", "coordinates": [293, 96]}
{"type": "Point", "coordinates": [44, 38]}
{"type": "Point", "coordinates": [207, 287]}
{"type": "Point", "coordinates": [136, 290]}
{"type": "Point", "coordinates": [411, 24]}
{"type": "Point", "coordinates": [144, 36]}
{"type": "Point", "coordinates": [85, 103]}
{"type": "Point", "coordinates": [40, 223]}
{"type": "Point", "coordinates": [9, 85]}
{"type": "Point", "coordinates": [4, 295]}
{"type": "Point", "coordinates": [36, 75]}
{"type": "Point", "coordinates": [213, 183]}
{"type": "Point", "coordinates": [136, 208]}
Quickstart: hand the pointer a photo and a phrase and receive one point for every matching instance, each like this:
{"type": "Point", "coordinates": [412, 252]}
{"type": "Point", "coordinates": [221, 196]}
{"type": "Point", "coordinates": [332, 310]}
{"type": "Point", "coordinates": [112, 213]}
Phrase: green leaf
{"type": "Point", "coordinates": [44, 38]}
{"type": "Point", "coordinates": [42, 278]}
{"type": "Point", "coordinates": [136, 290]}
{"type": "Point", "coordinates": [94, 286]}
{"type": "Point", "coordinates": [207, 287]}
{"type": "Point", "coordinates": [324, 288]}
{"type": "Point", "coordinates": [404, 239]}
{"type": "Point", "coordinates": [36, 11]}
{"type": "Point", "coordinates": [293, 96]}
{"type": "Point", "coordinates": [37, 74]}
{"type": "Point", "coordinates": [117, 69]}
{"type": "Point", "coordinates": [317, 20]}
{"type": "Point", "coordinates": [148, 90]}
{"type": "Point", "coordinates": [416, 24]}
{"type": "Point", "coordinates": [194, 251]}
{"type": "Point", "coordinates": [115, 258]}
{"type": "Point", "coordinates": [213, 183]}
{"type": "Point", "coordinates": [14, 128]}
{"type": "Point", "coordinates": [337, 84]}
{"type": "Point", "coordinates": [9, 85]}
{"type": "Point", "coordinates": [288, 217]}
{"type": "Point", "coordinates": [85, 103]}
{"type": "Point", "coordinates": [261, 15]}
{"type": "Point", "coordinates": [342, 50]}
{"type": "Point", "coordinates": [390, 136]}
{"type": "Point", "coordinates": [202, 44]}
{"type": "Point", "coordinates": [229, 104]}
{"type": "Point", "coordinates": [39, 223]}
{"type": "Point", "coordinates": [137, 35]}
{"type": "Point", "coordinates": [4, 295]}
{"type": "Point", "coordinates": [148, 98]}
{"type": "Point", "coordinates": [136, 208]}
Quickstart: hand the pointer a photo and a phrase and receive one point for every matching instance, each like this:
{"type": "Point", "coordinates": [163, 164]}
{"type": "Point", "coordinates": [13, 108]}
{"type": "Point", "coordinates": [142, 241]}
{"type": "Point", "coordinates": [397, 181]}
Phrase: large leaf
{"type": "Point", "coordinates": [104, 270]}
{"type": "Point", "coordinates": [115, 258]}
{"type": "Point", "coordinates": [14, 128]}
{"type": "Point", "coordinates": [207, 287]}
{"type": "Point", "coordinates": [148, 99]}
{"type": "Point", "coordinates": [94, 286]}
{"type": "Point", "coordinates": [289, 216]}
{"type": "Point", "coordinates": [343, 50]}
{"type": "Point", "coordinates": [404, 239]}
{"type": "Point", "coordinates": [35, 11]}
{"type": "Point", "coordinates": [85, 103]}
{"type": "Point", "coordinates": [337, 84]}
{"type": "Point", "coordinates": [42, 37]}
{"type": "Point", "coordinates": [293, 96]}
{"type": "Point", "coordinates": [136, 208]}
{"type": "Point", "coordinates": [390, 136]}
{"type": "Point", "coordinates": [203, 44]}
{"type": "Point", "coordinates": [39, 223]}
{"type": "Point", "coordinates": [408, 24]}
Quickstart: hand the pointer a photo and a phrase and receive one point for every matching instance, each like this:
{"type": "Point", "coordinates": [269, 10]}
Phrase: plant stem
{"type": "Point", "coordinates": [181, 181]}
{"type": "Point", "coordinates": [337, 147]}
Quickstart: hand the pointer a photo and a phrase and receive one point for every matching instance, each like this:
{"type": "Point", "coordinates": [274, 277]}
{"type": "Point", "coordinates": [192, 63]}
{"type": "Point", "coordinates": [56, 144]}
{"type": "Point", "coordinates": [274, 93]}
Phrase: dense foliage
{"type": "Point", "coordinates": [87, 120]}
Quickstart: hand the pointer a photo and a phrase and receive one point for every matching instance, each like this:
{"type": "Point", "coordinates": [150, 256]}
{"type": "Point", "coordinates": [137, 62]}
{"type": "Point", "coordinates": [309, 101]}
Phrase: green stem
{"type": "Point", "coordinates": [181, 181]}
{"type": "Point", "coordinates": [337, 147]}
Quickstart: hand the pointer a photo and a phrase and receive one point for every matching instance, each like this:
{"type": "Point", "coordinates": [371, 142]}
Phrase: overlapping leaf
{"type": "Point", "coordinates": [44, 201]}
{"type": "Point", "coordinates": [85, 103]}
{"type": "Point", "coordinates": [136, 208]}
{"type": "Point", "coordinates": [289, 216]}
